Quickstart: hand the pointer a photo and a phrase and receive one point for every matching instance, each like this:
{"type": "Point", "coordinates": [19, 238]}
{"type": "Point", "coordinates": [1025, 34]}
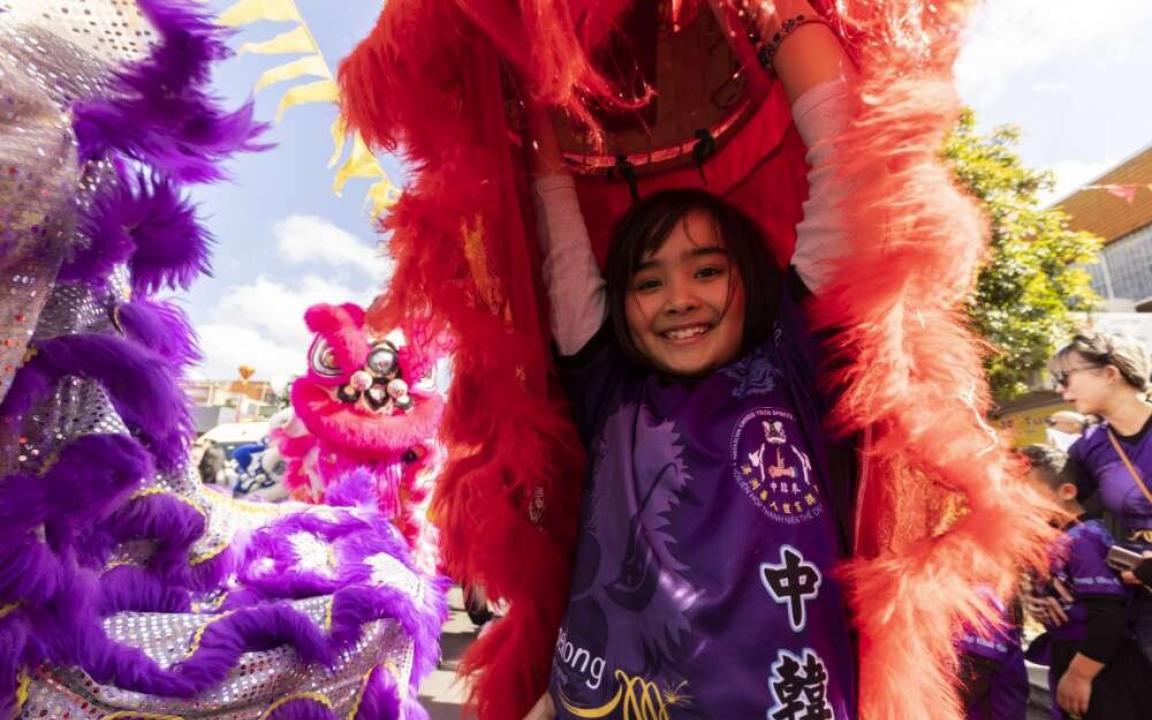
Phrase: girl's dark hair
{"type": "Point", "coordinates": [645, 227]}
{"type": "Point", "coordinates": [1050, 461]}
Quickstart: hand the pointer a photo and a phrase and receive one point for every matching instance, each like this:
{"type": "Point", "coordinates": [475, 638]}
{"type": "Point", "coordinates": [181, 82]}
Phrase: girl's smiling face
{"type": "Point", "coordinates": [685, 304]}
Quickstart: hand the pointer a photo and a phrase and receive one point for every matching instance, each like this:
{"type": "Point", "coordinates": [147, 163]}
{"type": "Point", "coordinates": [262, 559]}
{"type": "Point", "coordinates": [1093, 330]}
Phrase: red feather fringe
{"type": "Point", "coordinates": [431, 80]}
{"type": "Point", "coordinates": [912, 373]}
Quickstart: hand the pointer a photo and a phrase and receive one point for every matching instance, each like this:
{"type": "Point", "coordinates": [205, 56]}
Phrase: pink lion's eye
{"type": "Point", "coordinates": [322, 359]}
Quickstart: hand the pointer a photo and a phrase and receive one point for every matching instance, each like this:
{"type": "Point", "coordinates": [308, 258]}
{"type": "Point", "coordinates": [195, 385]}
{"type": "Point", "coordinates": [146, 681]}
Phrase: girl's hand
{"type": "Point", "coordinates": [547, 158]}
{"type": "Point", "coordinates": [1046, 610]}
{"type": "Point", "coordinates": [543, 709]}
{"type": "Point", "coordinates": [808, 55]}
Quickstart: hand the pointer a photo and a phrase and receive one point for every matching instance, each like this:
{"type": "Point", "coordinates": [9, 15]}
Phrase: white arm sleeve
{"type": "Point", "coordinates": [575, 285]}
{"type": "Point", "coordinates": [821, 237]}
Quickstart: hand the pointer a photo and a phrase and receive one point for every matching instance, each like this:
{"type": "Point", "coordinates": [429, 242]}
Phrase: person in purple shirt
{"type": "Point", "coordinates": [1095, 667]}
{"type": "Point", "coordinates": [713, 514]}
{"type": "Point", "coordinates": [1108, 376]}
{"type": "Point", "coordinates": [994, 681]}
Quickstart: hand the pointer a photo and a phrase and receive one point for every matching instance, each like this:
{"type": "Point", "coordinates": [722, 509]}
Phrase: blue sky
{"type": "Point", "coordinates": [1072, 75]}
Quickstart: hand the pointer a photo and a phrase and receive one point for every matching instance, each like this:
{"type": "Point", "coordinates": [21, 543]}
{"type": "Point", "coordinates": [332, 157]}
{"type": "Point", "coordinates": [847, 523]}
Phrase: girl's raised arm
{"type": "Point", "coordinates": [811, 64]}
{"type": "Point", "coordinates": [575, 284]}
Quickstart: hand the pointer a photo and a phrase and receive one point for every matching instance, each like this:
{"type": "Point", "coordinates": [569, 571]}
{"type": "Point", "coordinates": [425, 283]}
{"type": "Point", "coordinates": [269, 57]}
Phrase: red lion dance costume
{"type": "Point", "coordinates": [436, 80]}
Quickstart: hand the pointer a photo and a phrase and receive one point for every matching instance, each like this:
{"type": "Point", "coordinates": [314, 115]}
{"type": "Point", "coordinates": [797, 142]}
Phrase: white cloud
{"type": "Point", "coordinates": [261, 324]}
{"type": "Point", "coordinates": [228, 346]}
{"type": "Point", "coordinates": [276, 309]}
{"type": "Point", "coordinates": [304, 239]}
{"type": "Point", "coordinates": [1007, 37]}
{"type": "Point", "coordinates": [1071, 174]}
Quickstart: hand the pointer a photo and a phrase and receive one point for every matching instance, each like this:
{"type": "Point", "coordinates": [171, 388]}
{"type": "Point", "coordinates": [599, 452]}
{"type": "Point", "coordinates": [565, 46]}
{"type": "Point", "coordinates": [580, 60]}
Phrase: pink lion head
{"type": "Point", "coordinates": [361, 394]}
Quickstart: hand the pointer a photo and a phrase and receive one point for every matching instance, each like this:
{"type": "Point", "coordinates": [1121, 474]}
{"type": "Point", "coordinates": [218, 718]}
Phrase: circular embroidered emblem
{"type": "Point", "coordinates": [772, 469]}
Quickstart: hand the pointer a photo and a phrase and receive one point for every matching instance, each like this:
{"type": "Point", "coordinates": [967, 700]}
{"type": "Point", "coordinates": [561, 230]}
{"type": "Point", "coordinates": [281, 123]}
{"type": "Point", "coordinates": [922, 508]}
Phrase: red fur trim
{"type": "Point", "coordinates": [911, 372]}
{"type": "Point", "coordinates": [467, 263]}
{"type": "Point", "coordinates": [429, 79]}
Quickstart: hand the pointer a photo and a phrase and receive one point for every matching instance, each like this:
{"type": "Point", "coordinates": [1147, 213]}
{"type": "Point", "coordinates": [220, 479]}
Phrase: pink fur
{"type": "Point", "coordinates": [330, 441]}
{"type": "Point", "coordinates": [342, 326]}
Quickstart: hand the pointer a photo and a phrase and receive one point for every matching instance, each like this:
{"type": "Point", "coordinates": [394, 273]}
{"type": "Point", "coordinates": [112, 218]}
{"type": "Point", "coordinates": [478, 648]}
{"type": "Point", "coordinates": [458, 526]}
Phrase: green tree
{"type": "Point", "coordinates": [1031, 282]}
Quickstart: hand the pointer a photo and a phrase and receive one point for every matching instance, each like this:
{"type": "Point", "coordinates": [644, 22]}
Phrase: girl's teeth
{"type": "Point", "coordinates": [686, 333]}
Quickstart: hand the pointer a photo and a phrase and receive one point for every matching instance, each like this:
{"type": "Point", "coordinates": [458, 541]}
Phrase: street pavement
{"type": "Point", "coordinates": [441, 693]}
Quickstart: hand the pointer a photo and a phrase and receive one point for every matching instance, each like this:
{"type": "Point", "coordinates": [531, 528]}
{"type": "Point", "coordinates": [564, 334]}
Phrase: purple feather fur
{"type": "Point", "coordinates": [146, 223]}
{"type": "Point", "coordinates": [90, 474]}
{"type": "Point", "coordinates": [381, 697]}
{"type": "Point", "coordinates": [171, 523]}
{"type": "Point", "coordinates": [105, 226]}
{"type": "Point", "coordinates": [162, 327]}
{"type": "Point", "coordinates": [128, 588]}
{"type": "Point", "coordinates": [159, 112]}
{"type": "Point", "coordinates": [138, 382]}
{"type": "Point", "coordinates": [356, 488]}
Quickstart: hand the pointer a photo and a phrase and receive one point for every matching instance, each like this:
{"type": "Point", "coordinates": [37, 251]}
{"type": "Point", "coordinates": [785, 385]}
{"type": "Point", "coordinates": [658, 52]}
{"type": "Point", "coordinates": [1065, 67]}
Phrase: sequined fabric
{"type": "Point", "coordinates": [51, 55]}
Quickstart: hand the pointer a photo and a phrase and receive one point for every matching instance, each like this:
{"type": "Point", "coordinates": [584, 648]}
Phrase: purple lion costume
{"type": "Point", "coordinates": [127, 590]}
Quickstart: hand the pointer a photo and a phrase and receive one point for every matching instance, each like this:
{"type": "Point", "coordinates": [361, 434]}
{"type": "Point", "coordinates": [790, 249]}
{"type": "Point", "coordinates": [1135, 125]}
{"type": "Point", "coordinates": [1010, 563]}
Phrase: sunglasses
{"type": "Point", "coordinates": [1061, 376]}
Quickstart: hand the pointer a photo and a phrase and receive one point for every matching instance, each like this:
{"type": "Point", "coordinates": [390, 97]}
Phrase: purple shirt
{"type": "Point", "coordinates": [703, 582]}
{"type": "Point", "coordinates": [1080, 568]}
{"type": "Point", "coordinates": [1100, 467]}
{"type": "Point", "coordinates": [1006, 697]}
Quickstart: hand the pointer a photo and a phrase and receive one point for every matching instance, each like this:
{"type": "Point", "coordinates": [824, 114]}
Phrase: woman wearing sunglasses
{"type": "Point", "coordinates": [1108, 376]}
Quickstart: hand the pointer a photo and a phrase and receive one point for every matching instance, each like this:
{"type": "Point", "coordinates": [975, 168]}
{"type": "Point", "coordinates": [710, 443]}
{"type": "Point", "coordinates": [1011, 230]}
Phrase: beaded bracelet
{"type": "Point", "coordinates": [767, 52]}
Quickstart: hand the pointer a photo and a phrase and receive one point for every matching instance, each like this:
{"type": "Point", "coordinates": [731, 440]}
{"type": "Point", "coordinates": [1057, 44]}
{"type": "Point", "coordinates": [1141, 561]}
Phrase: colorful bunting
{"type": "Point", "coordinates": [361, 163]}
{"type": "Point", "coordinates": [314, 92]}
{"type": "Point", "coordinates": [309, 65]}
{"type": "Point", "coordinates": [1126, 192]}
{"type": "Point", "coordinates": [296, 40]}
{"type": "Point", "coordinates": [245, 12]}
{"type": "Point", "coordinates": [339, 135]}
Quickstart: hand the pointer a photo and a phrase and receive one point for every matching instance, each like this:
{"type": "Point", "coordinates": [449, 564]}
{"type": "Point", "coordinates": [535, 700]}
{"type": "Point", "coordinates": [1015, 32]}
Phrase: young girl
{"type": "Point", "coordinates": [703, 580]}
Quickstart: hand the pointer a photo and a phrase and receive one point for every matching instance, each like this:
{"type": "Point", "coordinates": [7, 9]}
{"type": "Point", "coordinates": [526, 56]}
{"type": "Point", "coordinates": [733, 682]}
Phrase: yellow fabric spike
{"type": "Point", "coordinates": [361, 163]}
{"type": "Point", "coordinates": [313, 92]}
{"type": "Point", "coordinates": [250, 11]}
{"type": "Point", "coordinates": [339, 133]}
{"type": "Point", "coordinates": [297, 40]}
{"type": "Point", "coordinates": [381, 196]}
{"type": "Point", "coordinates": [309, 65]}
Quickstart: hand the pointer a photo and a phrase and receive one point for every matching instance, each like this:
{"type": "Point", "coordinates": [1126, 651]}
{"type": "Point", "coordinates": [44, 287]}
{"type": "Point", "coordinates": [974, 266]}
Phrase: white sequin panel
{"type": "Point", "coordinates": [387, 570]}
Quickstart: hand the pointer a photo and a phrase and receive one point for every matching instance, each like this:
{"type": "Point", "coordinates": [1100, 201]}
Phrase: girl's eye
{"type": "Point", "coordinates": [708, 272]}
{"type": "Point", "coordinates": [645, 285]}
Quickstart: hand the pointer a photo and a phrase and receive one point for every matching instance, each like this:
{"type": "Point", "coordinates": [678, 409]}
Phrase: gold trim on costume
{"type": "Point", "coordinates": [1140, 536]}
{"type": "Point", "coordinates": [639, 699]}
{"type": "Point", "coordinates": [315, 697]}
